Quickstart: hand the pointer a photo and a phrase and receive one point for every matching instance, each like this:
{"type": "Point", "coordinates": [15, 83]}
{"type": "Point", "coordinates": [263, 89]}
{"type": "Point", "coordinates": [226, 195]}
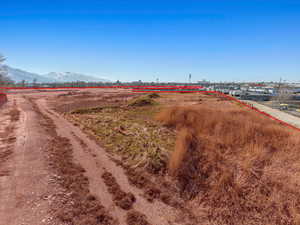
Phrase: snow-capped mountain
{"type": "Point", "coordinates": [18, 75]}
{"type": "Point", "coordinates": [73, 77]}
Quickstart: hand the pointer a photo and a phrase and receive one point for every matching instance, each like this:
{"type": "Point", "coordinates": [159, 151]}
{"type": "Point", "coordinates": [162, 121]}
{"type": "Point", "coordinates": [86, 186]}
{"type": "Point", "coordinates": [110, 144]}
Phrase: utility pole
{"type": "Point", "coordinates": [190, 78]}
{"type": "Point", "coordinates": [279, 90]}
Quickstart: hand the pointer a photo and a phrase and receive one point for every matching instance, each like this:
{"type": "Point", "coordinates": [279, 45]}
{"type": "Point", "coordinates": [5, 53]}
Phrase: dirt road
{"type": "Point", "coordinates": [24, 180]}
{"type": "Point", "coordinates": [35, 187]}
{"type": "Point", "coordinates": [293, 120]}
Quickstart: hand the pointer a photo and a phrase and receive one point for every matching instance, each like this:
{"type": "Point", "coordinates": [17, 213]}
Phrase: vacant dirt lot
{"type": "Point", "coordinates": [114, 157]}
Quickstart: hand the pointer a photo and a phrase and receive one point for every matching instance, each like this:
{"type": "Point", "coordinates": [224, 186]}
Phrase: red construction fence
{"type": "Point", "coordinates": [164, 88]}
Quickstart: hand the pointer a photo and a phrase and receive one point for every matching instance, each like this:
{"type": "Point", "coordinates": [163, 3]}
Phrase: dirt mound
{"type": "Point", "coordinates": [154, 95]}
{"type": "Point", "coordinates": [69, 93]}
{"type": "Point", "coordinates": [234, 162]}
{"type": "Point", "coordinates": [142, 101]}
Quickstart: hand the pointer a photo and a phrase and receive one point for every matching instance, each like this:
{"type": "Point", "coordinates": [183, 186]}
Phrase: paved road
{"type": "Point", "coordinates": [293, 120]}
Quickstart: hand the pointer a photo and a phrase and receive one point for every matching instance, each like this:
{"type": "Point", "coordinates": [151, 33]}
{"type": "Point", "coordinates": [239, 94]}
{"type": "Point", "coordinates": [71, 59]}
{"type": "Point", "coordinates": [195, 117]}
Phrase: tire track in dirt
{"type": "Point", "coordinates": [122, 199]}
{"type": "Point", "coordinates": [79, 206]}
{"type": "Point", "coordinates": [96, 162]}
{"type": "Point", "coordinates": [7, 142]}
{"type": "Point", "coordinates": [22, 199]}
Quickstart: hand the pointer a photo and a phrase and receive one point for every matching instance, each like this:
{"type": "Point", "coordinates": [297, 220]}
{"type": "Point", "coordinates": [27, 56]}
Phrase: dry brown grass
{"type": "Point", "coordinates": [243, 166]}
{"type": "Point", "coordinates": [184, 138]}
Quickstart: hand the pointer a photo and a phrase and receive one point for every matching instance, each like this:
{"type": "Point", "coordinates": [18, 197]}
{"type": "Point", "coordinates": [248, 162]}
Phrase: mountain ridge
{"type": "Point", "coordinates": [18, 75]}
{"type": "Point", "coordinates": [73, 77]}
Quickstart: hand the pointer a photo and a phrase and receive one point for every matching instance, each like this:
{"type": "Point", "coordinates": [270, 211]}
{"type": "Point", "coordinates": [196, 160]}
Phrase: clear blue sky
{"type": "Point", "coordinates": [219, 40]}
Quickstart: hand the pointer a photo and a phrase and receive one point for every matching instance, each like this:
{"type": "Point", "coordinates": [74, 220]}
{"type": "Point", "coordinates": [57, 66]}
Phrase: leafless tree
{"type": "Point", "coordinates": [284, 92]}
{"type": "Point", "coordinates": [284, 95]}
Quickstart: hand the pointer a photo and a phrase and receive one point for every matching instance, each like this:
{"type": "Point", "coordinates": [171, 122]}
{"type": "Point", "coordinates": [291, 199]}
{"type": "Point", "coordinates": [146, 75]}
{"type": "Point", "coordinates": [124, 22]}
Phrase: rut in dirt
{"type": "Point", "coordinates": [23, 200]}
{"type": "Point", "coordinates": [80, 206]}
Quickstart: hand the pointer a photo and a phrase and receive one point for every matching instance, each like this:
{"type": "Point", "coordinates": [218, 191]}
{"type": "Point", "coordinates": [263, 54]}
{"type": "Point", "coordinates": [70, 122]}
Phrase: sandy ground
{"type": "Point", "coordinates": [27, 184]}
{"type": "Point", "coordinates": [293, 120]}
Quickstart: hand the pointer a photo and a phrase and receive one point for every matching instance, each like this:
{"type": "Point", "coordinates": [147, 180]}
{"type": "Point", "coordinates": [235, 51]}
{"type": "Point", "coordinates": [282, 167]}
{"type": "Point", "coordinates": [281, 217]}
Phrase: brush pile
{"type": "Point", "coordinates": [241, 167]}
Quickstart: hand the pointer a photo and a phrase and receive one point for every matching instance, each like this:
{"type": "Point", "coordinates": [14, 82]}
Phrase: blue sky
{"type": "Point", "coordinates": [217, 40]}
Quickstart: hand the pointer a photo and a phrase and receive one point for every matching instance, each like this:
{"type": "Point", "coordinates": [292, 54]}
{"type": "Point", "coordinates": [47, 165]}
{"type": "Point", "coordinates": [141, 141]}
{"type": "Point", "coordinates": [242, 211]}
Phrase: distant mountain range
{"type": "Point", "coordinates": [18, 75]}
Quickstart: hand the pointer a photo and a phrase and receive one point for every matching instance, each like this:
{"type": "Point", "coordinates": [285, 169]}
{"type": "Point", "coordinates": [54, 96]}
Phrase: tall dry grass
{"type": "Point", "coordinates": [242, 165]}
{"type": "Point", "coordinates": [184, 138]}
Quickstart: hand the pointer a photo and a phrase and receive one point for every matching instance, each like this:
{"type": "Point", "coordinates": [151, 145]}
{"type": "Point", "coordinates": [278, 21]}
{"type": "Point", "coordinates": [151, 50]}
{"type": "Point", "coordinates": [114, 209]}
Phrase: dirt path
{"type": "Point", "coordinates": [24, 186]}
{"type": "Point", "coordinates": [293, 120]}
